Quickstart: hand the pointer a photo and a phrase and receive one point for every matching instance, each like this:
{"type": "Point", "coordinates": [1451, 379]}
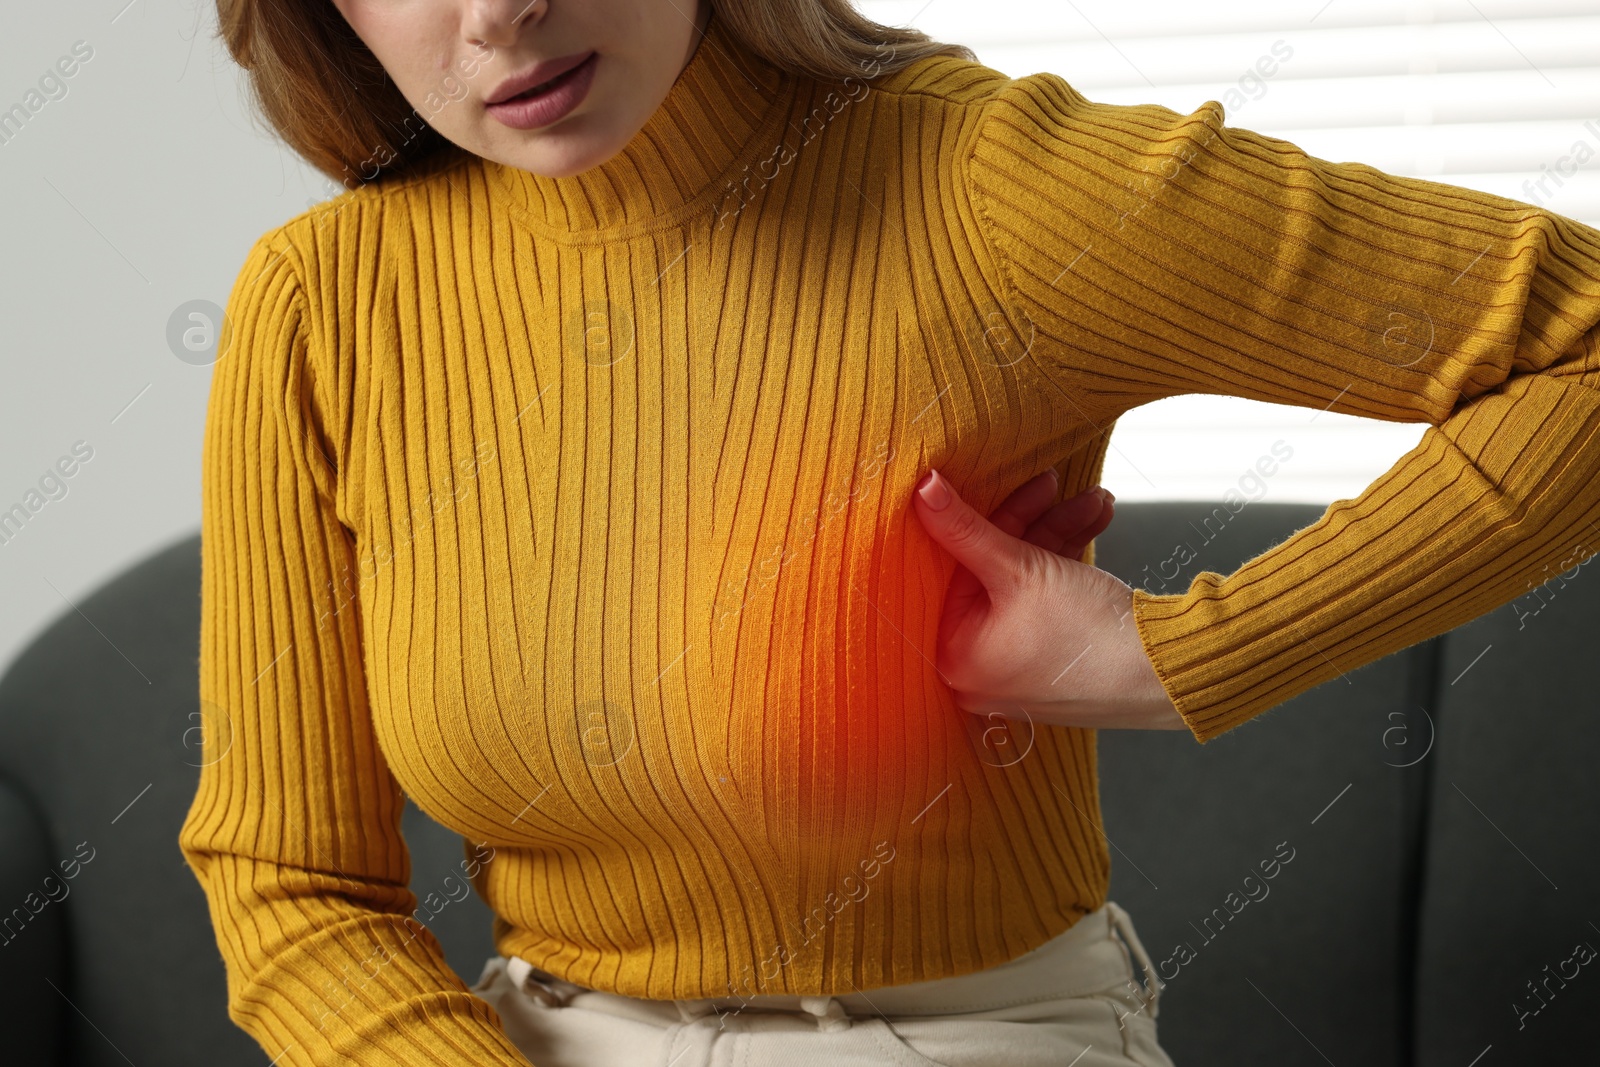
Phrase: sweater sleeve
{"type": "Point", "coordinates": [1147, 254]}
{"type": "Point", "coordinates": [294, 833]}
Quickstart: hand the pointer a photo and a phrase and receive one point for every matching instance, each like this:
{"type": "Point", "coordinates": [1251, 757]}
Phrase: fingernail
{"type": "Point", "coordinates": [934, 492]}
{"type": "Point", "coordinates": [1110, 496]}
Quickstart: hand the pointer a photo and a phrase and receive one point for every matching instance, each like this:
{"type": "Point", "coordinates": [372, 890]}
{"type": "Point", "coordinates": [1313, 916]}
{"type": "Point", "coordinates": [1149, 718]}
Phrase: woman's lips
{"type": "Point", "coordinates": [550, 102]}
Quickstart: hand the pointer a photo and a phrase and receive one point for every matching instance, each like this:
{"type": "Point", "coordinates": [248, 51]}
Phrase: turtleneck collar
{"type": "Point", "coordinates": [709, 122]}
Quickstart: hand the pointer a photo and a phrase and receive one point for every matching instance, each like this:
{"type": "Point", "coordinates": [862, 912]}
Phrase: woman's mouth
{"type": "Point", "coordinates": [549, 101]}
{"type": "Point", "coordinates": [537, 89]}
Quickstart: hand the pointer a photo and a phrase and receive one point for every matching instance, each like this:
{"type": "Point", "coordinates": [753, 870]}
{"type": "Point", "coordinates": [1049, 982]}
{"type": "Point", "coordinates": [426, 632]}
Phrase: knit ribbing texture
{"type": "Point", "coordinates": [579, 510]}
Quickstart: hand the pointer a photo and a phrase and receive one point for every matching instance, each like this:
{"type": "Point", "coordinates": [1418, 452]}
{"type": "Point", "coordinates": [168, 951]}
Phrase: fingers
{"type": "Point", "coordinates": [991, 554]}
{"type": "Point", "coordinates": [1026, 504]}
{"type": "Point", "coordinates": [1069, 526]}
{"type": "Point", "coordinates": [1028, 508]}
{"type": "Point", "coordinates": [1076, 545]}
{"type": "Point", "coordinates": [1064, 529]}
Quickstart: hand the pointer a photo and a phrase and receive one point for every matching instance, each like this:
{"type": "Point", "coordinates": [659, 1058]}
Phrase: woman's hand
{"type": "Point", "coordinates": [1065, 529]}
{"type": "Point", "coordinates": [1028, 630]}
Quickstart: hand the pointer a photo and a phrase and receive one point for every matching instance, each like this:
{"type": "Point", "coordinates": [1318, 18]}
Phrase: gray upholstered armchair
{"type": "Point", "coordinates": [1440, 810]}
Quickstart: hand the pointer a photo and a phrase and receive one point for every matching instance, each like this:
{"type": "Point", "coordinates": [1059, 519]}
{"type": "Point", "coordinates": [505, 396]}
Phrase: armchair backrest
{"type": "Point", "coordinates": [1429, 819]}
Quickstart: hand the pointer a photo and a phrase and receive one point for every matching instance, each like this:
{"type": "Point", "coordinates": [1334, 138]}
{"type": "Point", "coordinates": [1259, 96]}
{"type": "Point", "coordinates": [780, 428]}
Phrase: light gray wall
{"type": "Point", "coordinates": [142, 188]}
{"type": "Point", "coordinates": [139, 187]}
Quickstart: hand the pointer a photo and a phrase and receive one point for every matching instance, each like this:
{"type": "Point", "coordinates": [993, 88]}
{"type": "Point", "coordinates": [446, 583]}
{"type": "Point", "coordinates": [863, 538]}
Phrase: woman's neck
{"type": "Point", "coordinates": [694, 148]}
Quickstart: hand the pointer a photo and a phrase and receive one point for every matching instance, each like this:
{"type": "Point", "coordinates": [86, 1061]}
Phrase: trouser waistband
{"type": "Point", "coordinates": [1097, 952]}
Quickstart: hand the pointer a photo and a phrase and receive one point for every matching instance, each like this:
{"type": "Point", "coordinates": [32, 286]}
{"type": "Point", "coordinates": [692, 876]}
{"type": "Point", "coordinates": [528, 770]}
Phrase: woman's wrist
{"type": "Point", "coordinates": [1144, 681]}
{"type": "Point", "coordinates": [1119, 689]}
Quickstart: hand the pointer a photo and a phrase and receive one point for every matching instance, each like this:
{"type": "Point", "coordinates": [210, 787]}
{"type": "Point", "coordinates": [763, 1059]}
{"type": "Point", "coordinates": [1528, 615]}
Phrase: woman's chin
{"type": "Point", "coordinates": [559, 153]}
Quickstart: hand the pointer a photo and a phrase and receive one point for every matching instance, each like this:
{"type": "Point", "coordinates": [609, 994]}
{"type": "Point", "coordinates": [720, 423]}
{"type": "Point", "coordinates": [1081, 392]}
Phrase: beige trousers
{"type": "Point", "coordinates": [1075, 1001]}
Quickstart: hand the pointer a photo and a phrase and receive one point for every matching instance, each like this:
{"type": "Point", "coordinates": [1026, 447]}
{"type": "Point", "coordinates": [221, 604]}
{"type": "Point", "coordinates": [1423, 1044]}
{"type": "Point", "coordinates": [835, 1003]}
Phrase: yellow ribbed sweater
{"type": "Point", "coordinates": [580, 510]}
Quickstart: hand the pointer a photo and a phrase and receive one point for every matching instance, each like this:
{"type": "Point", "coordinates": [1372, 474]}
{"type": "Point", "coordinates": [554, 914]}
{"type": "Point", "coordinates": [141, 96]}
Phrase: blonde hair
{"type": "Point", "coordinates": [322, 91]}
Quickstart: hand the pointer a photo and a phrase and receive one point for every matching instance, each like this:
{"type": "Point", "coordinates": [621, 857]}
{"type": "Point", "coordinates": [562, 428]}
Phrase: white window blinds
{"type": "Point", "coordinates": [1497, 95]}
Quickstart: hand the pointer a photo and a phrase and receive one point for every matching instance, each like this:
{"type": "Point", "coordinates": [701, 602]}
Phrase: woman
{"type": "Point", "coordinates": [561, 475]}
